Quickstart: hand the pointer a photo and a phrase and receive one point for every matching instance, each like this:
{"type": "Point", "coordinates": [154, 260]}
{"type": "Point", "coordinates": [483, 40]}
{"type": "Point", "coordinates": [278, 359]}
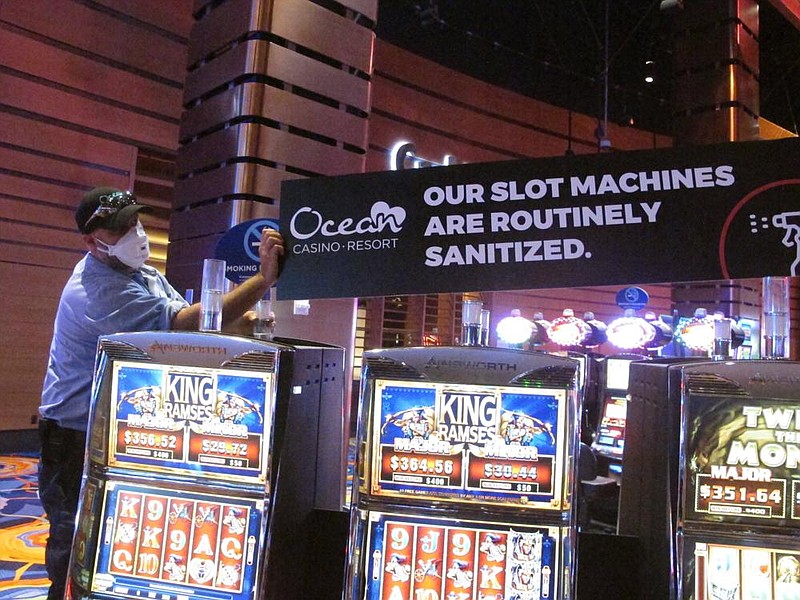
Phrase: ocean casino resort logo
{"type": "Point", "coordinates": [350, 233]}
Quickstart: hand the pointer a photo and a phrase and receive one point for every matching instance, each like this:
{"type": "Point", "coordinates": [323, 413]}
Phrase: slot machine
{"type": "Point", "coordinates": [600, 492]}
{"type": "Point", "coordinates": [206, 457]}
{"type": "Point", "coordinates": [465, 475]}
{"type": "Point", "coordinates": [739, 516]}
{"type": "Point", "coordinates": [609, 440]}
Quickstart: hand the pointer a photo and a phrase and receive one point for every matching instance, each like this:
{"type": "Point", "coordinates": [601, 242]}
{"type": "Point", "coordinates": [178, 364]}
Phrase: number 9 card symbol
{"type": "Point", "coordinates": [252, 238]}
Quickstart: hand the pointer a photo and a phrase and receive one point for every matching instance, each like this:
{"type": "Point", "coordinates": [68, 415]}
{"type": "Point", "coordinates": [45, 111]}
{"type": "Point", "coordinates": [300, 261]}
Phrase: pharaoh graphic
{"type": "Point", "coordinates": [144, 400]}
{"type": "Point", "coordinates": [235, 524]}
{"type": "Point", "coordinates": [788, 569]}
{"type": "Point", "coordinates": [526, 546]}
{"type": "Point", "coordinates": [233, 408]}
{"type": "Point", "coordinates": [492, 548]}
{"type": "Point", "coordinates": [399, 568]}
{"type": "Point", "coordinates": [175, 569]}
{"type": "Point", "coordinates": [520, 429]}
{"type": "Point", "coordinates": [460, 574]}
{"type": "Point", "coordinates": [523, 577]}
{"type": "Point", "coordinates": [416, 423]}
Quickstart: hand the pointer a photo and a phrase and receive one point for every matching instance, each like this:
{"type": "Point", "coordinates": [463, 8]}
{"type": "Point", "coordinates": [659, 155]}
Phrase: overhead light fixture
{"type": "Point", "coordinates": [697, 333]}
{"type": "Point", "coordinates": [539, 333]}
{"type": "Point", "coordinates": [598, 335]}
{"type": "Point", "coordinates": [630, 332]}
{"type": "Point", "coordinates": [649, 71]}
{"type": "Point", "coordinates": [514, 330]}
{"type": "Point", "coordinates": [428, 14]}
{"type": "Point", "coordinates": [568, 330]}
{"type": "Point", "coordinates": [670, 4]}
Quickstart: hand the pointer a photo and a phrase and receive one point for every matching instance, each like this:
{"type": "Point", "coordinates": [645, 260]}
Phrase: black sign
{"type": "Point", "coordinates": [699, 213]}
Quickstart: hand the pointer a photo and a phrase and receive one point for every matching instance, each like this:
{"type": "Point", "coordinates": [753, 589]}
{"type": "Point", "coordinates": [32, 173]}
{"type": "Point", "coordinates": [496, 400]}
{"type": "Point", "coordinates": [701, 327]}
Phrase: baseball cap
{"type": "Point", "coordinates": [106, 207]}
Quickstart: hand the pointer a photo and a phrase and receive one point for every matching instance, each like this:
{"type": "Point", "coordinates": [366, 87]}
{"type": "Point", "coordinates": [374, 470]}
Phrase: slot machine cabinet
{"type": "Point", "coordinates": [202, 466]}
{"type": "Point", "coordinates": [589, 365]}
{"type": "Point", "coordinates": [304, 560]}
{"type": "Point", "coordinates": [648, 497]}
{"type": "Point", "coordinates": [465, 475]}
{"type": "Point", "coordinates": [600, 493]}
{"type": "Point", "coordinates": [739, 510]}
{"type": "Point", "coordinates": [609, 440]}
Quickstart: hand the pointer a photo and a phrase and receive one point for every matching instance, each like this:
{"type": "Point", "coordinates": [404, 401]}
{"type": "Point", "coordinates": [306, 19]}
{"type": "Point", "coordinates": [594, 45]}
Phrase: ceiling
{"type": "Point", "coordinates": [556, 51]}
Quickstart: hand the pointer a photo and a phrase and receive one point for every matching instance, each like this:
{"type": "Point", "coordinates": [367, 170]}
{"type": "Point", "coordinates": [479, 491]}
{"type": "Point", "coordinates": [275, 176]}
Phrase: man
{"type": "Point", "coordinates": [110, 291]}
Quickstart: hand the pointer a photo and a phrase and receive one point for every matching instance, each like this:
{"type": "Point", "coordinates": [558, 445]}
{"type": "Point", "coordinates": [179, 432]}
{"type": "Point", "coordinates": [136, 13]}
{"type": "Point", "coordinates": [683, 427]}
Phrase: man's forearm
{"type": "Point", "coordinates": [234, 304]}
{"type": "Point", "coordinates": [242, 298]}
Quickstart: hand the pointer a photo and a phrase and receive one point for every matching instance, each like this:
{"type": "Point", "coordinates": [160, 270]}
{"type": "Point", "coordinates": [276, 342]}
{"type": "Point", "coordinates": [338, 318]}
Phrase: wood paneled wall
{"type": "Point", "coordinates": [445, 113]}
{"type": "Point", "coordinates": [90, 94]}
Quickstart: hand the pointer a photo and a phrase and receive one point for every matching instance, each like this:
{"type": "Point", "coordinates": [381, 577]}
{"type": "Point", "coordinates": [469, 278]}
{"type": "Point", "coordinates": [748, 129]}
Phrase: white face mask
{"type": "Point", "coordinates": [132, 249]}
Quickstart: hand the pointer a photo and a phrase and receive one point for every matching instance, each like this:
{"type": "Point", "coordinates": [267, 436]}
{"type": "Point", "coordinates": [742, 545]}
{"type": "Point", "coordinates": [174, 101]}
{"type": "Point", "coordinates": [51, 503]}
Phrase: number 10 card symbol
{"type": "Point", "coordinates": [252, 238]}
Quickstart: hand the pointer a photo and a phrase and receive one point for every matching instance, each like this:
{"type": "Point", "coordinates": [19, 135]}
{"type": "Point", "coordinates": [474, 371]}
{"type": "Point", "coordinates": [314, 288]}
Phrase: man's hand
{"type": "Point", "coordinates": [270, 252]}
{"type": "Point", "coordinates": [237, 302]}
{"type": "Point", "coordinates": [241, 326]}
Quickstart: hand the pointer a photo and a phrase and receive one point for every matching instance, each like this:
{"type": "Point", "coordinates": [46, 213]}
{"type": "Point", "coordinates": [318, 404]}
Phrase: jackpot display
{"type": "Point", "coordinates": [182, 419]}
{"type": "Point", "coordinates": [742, 459]}
{"type": "Point", "coordinates": [468, 443]}
{"type": "Point", "coordinates": [740, 453]}
{"type": "Point", "coordinates": [464, 475]}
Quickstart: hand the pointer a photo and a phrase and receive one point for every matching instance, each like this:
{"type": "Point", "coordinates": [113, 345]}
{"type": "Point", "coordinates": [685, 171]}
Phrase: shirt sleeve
{"type": "Point", "coordinates": [120, 303]}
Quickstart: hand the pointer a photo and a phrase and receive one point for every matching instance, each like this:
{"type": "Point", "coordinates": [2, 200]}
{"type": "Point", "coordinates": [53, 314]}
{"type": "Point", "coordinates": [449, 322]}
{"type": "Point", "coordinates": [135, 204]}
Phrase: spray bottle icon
{"type": "Point", "coordinates": [790, 221]}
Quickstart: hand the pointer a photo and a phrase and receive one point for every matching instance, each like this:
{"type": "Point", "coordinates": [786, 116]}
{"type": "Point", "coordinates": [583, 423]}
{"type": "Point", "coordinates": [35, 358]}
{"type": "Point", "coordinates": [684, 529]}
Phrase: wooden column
{"type": "Point", "coordinates": [276, 90]}
{"type": "Point", "coordinates": [716, 71]}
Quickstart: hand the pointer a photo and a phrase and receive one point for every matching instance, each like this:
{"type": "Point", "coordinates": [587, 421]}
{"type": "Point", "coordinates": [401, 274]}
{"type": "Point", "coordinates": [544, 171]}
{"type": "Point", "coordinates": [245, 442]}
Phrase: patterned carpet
{"type": "Point", "coordinates": [23, 531]}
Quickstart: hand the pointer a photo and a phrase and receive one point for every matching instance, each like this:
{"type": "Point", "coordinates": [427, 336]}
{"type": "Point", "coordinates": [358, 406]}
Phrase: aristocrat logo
{"type": "Point", "coordinates": [159, 348]}
{"type": "Point", "coordinates": [307, 222]}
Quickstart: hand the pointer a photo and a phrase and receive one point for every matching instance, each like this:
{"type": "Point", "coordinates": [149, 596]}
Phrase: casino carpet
{"type": "Point", "coordinates": [23, 531]}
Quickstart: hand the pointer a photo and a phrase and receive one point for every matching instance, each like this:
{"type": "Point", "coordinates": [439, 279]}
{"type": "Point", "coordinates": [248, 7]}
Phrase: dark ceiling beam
{"type": "Point", "coordinates": [790, 9]}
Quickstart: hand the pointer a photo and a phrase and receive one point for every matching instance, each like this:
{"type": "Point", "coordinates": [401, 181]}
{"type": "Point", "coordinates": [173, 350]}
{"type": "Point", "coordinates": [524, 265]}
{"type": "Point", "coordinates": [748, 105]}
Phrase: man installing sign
{"type": "Point", "coordinates": [112, 290]}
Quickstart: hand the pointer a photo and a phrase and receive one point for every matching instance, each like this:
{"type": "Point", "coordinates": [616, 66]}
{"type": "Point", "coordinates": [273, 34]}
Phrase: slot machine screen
{"type": "Point", "coordinates": [721, 567]}
{"type": "Point", "coordinates": [207, 422]}
{"type": "Point", "coordinates": [617, 373]}
{"type": "Point", "coordinates": [480, 444]}
{"type": "Point", "coordinates": [167, 543]}
{"type": "Point", "coordinates": [610, 439]}
{"type": "Point", "coordinates": [741, 459]}
{"type": "Point", "coordinates": [414, 557]}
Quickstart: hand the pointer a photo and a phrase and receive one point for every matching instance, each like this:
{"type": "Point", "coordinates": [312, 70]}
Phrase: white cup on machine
{"type": "Point", "coordinates": [471, 322]}
{"type": "Point", "coordinates": [213, 288]}
{"type": "Point", "coordinates": [264, 325]}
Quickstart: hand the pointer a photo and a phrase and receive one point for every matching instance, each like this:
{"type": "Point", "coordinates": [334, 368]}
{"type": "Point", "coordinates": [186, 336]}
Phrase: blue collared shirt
{"type": "Point", "coordinates": [98, 300]}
